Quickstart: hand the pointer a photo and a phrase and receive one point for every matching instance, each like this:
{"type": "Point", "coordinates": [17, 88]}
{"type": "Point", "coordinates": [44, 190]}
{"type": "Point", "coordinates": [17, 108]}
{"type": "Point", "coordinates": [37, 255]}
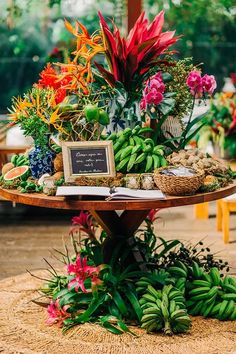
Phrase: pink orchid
{"type": "Point", "coordinates": [199, 85]}
{"type": "Point", "coordinates": [209, 83]}
{"type": "Point", "coordinates": [84, 222]}
{"type": "Point", "coordinates": [194, 82]}
{"type": "Point", "coordinates": [153, 91]}
{"type": "Point", "coordinates": [56, 314]}
{"type": "Point", "coordinates": [83, 271]}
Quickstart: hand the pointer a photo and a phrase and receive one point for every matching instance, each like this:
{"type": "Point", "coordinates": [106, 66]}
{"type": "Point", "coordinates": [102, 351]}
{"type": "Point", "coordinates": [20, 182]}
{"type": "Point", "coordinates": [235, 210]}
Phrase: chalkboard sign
{"type": "Point", "coordinates": [89, 158]}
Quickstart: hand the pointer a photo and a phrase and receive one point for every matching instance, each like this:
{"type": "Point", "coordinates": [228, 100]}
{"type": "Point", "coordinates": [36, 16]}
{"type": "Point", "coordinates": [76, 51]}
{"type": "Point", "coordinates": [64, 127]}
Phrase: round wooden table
{"type": "Point", "coordinates": [116, 226]}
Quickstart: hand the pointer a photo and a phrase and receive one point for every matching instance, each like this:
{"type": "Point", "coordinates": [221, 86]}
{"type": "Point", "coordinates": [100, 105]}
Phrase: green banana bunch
{"type": "Point", "coordinates": [135, 153]}
{"type": "Point", "coordinates": [161, 310]}
{"type": "Point", "coordinates": [19, 160]}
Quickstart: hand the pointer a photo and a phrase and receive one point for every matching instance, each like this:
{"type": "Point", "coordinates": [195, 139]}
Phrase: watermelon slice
{"type": "Point", "coordinates": [17, 172]}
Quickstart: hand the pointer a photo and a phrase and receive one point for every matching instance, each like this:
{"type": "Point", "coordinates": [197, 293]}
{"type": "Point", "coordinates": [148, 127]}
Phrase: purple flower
{"type": "Point", "coordinates": [153, 91]}
{"type": "Point", "coordinates": [194, 82]}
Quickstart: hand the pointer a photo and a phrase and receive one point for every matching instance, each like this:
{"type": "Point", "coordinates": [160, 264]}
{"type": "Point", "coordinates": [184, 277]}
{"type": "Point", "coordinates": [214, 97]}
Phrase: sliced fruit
{"type": "Point", "coordinates": [17, 172]}
{"type": "Point", "coordinates": [7, 167]}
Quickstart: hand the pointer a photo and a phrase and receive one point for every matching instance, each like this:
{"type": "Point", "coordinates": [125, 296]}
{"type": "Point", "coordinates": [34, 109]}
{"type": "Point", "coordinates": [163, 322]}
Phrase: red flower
{"type": "Point", "coordinates": [83, 271]}
{"type": "Point", "coordinates": [56, 314]}
{"type": "Point", "coordinates": [85, 223]}
{"type": "Point", "coordinates": [152, 215]}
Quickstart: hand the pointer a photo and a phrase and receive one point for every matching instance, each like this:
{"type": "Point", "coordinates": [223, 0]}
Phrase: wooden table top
{"type": "Point", "coordinates": [74, 203]}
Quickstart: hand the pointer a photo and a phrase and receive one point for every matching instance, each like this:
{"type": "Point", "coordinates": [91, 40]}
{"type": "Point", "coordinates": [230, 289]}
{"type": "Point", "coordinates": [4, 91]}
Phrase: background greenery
{"type": "Point", "coordinates": [30, 29]}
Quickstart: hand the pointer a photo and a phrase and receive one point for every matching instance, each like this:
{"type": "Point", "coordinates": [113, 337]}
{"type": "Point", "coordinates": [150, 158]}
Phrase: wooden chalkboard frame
{"type": "Point", "coordinates": [68, 147]}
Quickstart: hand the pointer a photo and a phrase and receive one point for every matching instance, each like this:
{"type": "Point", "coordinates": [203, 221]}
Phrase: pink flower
{"type": "Point", "coordinates": [208, 83]}
{"type": "Point", "coordinates": [199, 85]}
{"type": "Point", "coordinates": [85, 223]}
{"type": "Point", "coordinates": [153, 91]}
{"type": "Point", "coordinates": [83, 271]}
{"type": "Point", "coordinates": [194, 82]}
{"type": "Point", "coordinates": [56, 314]}
{"type": "Point", "coordinates": [143, 104]}
{"type": "Point", "coordinates": [152, 215]}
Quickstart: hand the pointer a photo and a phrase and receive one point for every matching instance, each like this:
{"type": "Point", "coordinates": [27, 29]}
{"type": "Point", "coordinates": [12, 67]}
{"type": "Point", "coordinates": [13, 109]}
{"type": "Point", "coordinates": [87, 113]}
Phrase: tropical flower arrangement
{"type": "Point", "coordinates": [129, 90]}
{"type": "Point", "coordinates": [220, 125]}
{"type": "Point", "coordinates": [172, 281]}
{"type": "Point", "coordinates": [111, 80]}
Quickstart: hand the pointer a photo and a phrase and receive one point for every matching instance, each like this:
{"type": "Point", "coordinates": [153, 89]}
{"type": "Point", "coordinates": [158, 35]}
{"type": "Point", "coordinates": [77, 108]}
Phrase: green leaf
{"type": "Point", "coordinates": [95, 303]}
{"type": "Point", "coordinates": [166, 106]}
{"type": "Point", "coordinates": [111, 328]}
{"type": "Point", "coordinates": [134, 302]}
{"type": "Point", "coordinates": [120, 303]}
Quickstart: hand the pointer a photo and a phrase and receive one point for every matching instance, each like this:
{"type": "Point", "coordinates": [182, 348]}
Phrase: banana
{"type": "Point", "coordinates": [213, 292]}
{"type": "Point", "coordinates": [148, 317]}
{"type": "Point", "coordinates": [14, 159]}
{"type": "Point", "coordinates": [181, 284]}
{"type": "Point", "coordinates": [147, 324]}
{"type": "Point", "coordinates": [152, 291]}
{"type": "Point", "coordinates": [141, 158]}
{"type": "Point", "coordinates": [152, 310]}
{"type": "Point", "coordinates": [172, 306]}
{"type": "Point", "coordinates": [164, 311]}
{"type": "Point", "coordinates": [126, 152]}
{"type": "Point", "coordinates": [228, 311]}
{"type": "Point", "coordinates": [184, 320]}
{"type": "Point", "coordinates": [152, 327]}
{"type": "Point", "coordinates": [138, 141]}
{"type": "Point", "coordinates": [229, 297]}
{"type": "Point", "coordinates": [178, 313]}
{"type": "Point", "coordinates": [177, 271]}
{"type": "Point", "coordinates": [118, 155]}
{"type": "Point", "coordinates": [158, 150]}
{"type": "Point", "coordinates": [197, 271]}
{"type": "Point", "coordinates": [232, 281]}
{"type": "Point", "coordinates": [122, 163]}
{"type": "Point", "coordinates": [112, 136]}
{"type": "Point", "coordinates": [156, 161]}
{"type": "Point", "coordinates": [222, 309]}
{"type": "Point", "coordinates": [136, 129]}
{"type": "Point", "coordinates": [180, 264]}
{"type": "Point", "coordinates": [229, 288]}
{"type": "Point", "coordinates": [149, 163]}
{"type": "Point", "coordinates": [131, 162]}
{"type": "Point", "coordinates": [201, 283]}
{"type": "Point", "coordinates": [145, 130]}
{"type": "Point", "coordinates": [226, 280]}
{"type": "Point", "coordinates": [131, 141]}
{"type": "Point", "coordinates": [209, 308]}
{"type": "Point", "coordinates": [142, 283]}
{"type": "Point", "coordinates": [199, 297]}
{"type": "Point", "coordinates": [174, 293]}
{"type": "Point", "coordinates": [149, 141]}
{"type": "Point", "coordinates": [207, 277]}
{"type": "Point", "coordinates": [136, 149]}
{"type": "Point", "coordinates": [163, 161]}
{"type": "Point", "coordinates": [127, 132]}
{"type": "Point", "coordinates": [149, 297]}
{"type": "Point", "coordinates": [195, 310]}
{"type": "Point", "coordinates": [200, 290]}
{"type": "Point", "coordinates": [215, 309]}
{"type": "Point", "coordinates": [233, 314]}
{"type": "Point", "coordinates": [215, 276]}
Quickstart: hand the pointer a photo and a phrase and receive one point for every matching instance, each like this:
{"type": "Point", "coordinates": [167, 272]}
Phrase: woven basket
{"type": "Point", "coordinates": [178, 185]}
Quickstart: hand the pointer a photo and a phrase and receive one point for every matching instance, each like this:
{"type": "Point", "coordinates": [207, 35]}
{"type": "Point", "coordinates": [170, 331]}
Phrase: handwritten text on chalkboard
{"type": "Point", "coordinates": [85, 161]}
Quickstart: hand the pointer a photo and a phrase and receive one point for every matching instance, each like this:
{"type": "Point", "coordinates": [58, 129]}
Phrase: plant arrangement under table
{"type": "Point", "coordinates": [133, 92]}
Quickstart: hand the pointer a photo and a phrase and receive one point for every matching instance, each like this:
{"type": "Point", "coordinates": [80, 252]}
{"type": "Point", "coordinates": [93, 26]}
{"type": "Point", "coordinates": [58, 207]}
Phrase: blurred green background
{"type": "Point", "coordinates": [32, 33]}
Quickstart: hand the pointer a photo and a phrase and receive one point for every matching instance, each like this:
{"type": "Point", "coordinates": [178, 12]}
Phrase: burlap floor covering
{"type": "Point", "coordinates": [23, 331]}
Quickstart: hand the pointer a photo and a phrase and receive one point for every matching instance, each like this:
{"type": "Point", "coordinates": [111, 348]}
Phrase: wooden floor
{"type": "Point", "coordinates": [29, 234]}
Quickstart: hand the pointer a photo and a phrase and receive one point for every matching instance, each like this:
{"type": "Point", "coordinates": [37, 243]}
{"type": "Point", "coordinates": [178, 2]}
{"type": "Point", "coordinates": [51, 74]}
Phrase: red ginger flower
{"type": "Point", "coordinates": [83, 271]}
{"type": "Point", "coordinates": [56, 314]}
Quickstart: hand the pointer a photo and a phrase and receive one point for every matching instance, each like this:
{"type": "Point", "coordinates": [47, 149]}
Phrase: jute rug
{"type": "Point", "coordinates": [23, 331]}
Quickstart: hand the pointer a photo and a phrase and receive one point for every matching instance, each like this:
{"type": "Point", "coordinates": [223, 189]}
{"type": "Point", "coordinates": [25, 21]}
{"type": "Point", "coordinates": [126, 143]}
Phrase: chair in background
{"type": "Point", "coordinates": [224, 207]}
